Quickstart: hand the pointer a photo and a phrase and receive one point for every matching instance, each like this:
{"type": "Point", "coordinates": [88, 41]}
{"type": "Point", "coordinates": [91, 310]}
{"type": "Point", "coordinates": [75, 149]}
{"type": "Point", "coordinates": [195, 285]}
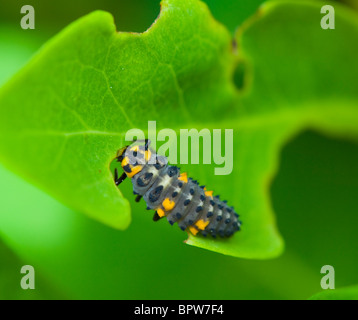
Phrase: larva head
{"type": "Point", "coordinates": [138, 154]}
{"type": "Point", "coordinates": [133, 158]}
{"type": "Point", "coordinates": [120, 153]}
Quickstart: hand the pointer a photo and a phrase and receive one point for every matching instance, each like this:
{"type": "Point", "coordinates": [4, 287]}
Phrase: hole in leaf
{"type": "Point", "coordinates": [240, 77]}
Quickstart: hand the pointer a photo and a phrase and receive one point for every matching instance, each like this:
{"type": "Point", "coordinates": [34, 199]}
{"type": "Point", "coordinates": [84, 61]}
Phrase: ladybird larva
{"type": "Point", "coordinates": [173, 195]}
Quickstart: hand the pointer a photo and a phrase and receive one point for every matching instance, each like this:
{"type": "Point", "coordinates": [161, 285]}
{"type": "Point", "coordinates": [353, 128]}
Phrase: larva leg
{"type": "Point", "coordinates": [137, 199]}
{"type": "Point", "coordinates": [156, 217]}
{"type": "Point", "coordinates": [120, 179]}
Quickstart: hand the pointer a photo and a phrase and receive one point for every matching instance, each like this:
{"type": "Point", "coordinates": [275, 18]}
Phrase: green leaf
{"type": "Point", "coordinates": [347, 293]}
{"type": "Point", "coordinates": [88, 85]}
{"type": "Point", "coordinates": [65, 114]}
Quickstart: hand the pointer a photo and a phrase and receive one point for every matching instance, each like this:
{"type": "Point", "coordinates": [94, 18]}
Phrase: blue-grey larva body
{"type": "Point", "coordinates": [175, 196]}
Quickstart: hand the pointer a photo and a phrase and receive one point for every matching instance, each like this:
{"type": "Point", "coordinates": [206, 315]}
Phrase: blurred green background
{"type": "Point", "coordinates": [314, 196]}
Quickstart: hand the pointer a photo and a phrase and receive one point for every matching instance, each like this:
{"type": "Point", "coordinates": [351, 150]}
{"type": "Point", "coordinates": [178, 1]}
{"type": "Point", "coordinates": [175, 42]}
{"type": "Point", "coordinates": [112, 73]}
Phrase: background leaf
{"type": "Point", "coordinates": [290, 86]}
{"type": "Point", "coordinates": [10, 277]}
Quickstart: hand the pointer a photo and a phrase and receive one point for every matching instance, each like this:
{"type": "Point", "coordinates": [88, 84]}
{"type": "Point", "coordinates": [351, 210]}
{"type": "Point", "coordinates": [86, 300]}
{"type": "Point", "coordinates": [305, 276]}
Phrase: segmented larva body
{"type": "Point", "coordinates": [175, 196]}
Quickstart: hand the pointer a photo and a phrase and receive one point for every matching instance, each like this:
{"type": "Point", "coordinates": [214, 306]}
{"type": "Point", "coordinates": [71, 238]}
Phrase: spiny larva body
{"type": "Point", "coordinates": [173, 195]}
